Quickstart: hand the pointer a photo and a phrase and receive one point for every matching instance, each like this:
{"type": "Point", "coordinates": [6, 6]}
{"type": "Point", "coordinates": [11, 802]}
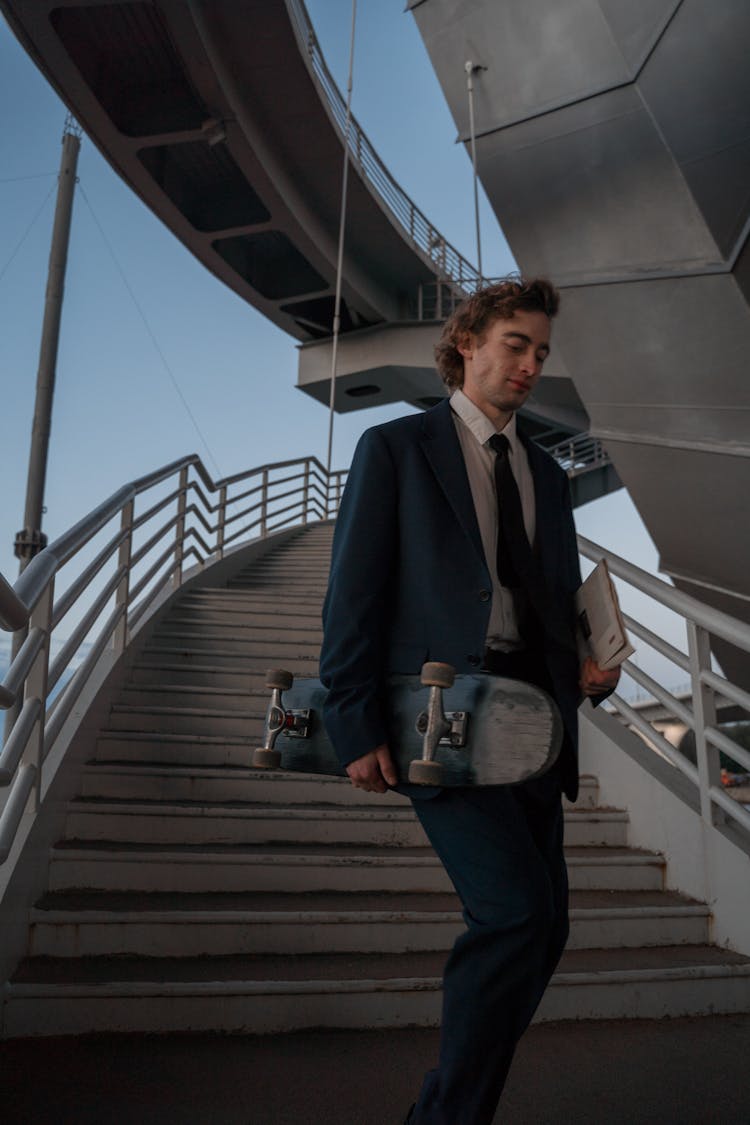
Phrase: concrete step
{"type": "Point", "coordinates": [258, 614]}
{"type": "Point", "coordinates": [191, 783]}
{"type": "Point", "coordinates": [54, 996]}
{"type": "Point", "coordinates": [242, 600]}
{"type": "Point", "coordinates": [307, 588]}
{"type": "Point", "coordinates": [192, 822]}
{"type": "Point", "coordinates": [245, 723]}
{"type": "Point", "coordinates": [253, 694]}
{"type": "Point", "coordinates": [222, 651]}
{"type": "Point", "coordinates": [177, 749]}
{"type": "Point", "coordinates": [285, 646]}
{"type": "Point", "coordinates": [248, 628]}
{"type": "Point", "coordinates": [291, 574]}
{"type": "Point", "coordinates": [238, 673]}
{"type": "Point", "coordinates": [164, 822]}
{"type": "Point", "coordinates": [222, 597]}
{"type": "Point", "coordinates": [181, 783]}
{"type": "Point", "coordinates": [186, 925]}
{"type": "Point", "coordinates": [103, 866]}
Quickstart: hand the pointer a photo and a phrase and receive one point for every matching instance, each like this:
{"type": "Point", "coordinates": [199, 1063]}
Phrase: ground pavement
{"type": "Point", "coordinates": [670, 1072]}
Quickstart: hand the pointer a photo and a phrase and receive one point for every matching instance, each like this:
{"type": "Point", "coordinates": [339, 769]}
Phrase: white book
{"type": "Point", "coordinates": [601, 629]}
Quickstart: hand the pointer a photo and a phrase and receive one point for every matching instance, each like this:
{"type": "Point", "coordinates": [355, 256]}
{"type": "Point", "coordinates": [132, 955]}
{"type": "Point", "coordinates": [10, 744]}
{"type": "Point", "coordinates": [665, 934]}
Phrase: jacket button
{"type": "Point", "coordinates": [484, 595]}
{"type": "Point", "coordinates": [474, 661]}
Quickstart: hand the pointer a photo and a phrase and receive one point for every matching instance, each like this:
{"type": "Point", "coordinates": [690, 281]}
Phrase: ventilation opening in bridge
{"type": "Point", "coordinates": [270, 263]}
{"type": "Point", "coordinates": [126, 56]}
{"type": "Point", "coordinates": [364, 391]}
{"type": "Point", "coordinates": [205, 184]}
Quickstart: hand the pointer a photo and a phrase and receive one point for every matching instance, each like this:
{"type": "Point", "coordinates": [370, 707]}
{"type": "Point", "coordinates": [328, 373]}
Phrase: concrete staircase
{"type": "Point", "coordinates": [191, 892]}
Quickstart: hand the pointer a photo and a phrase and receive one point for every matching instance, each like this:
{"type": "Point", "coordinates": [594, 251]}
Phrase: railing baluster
{"type": "Point", "coordinates": [306, 492]}
{"type": "Point", "coordinates": [180, 526]}
{"type": "Point", "coordinates": [221, 522]}
{"type": "Point", "coordinates": [704, 712]}
{"type": "Point", "coordinates": [264, 504]}
{"type": "Point", "coordinates": [36, 684]}
{"type": "Point", "coordinates": [122, 595]}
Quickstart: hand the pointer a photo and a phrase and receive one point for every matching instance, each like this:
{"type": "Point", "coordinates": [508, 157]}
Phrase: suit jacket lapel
{"type": "Point", "coordinates": [547, 516]}
{"type": "Point", "coordinates": [443, 451]}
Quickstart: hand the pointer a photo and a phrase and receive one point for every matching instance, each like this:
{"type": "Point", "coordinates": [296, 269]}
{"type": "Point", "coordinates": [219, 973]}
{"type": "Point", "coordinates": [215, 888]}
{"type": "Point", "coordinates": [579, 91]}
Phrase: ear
{"type": "Point", "coordinates": [465, 345]}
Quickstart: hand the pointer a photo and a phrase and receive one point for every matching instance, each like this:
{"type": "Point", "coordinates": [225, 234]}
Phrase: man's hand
{"type": "Point", "coordinates": [595, 681]}
{"type": "Point", "coordinates": [373, 772]}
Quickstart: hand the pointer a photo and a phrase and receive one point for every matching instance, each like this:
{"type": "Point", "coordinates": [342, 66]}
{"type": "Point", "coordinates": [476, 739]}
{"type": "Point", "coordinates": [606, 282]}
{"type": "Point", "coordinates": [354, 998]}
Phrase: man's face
{"type": "Point", "coordinates": [503, 364]}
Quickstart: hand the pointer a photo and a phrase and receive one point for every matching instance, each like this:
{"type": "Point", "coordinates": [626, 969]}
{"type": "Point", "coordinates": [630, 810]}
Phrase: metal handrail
{"type": "Point", "coordinates": [444, 258]}
{"type": "Point", "coordinates": [580, 453]}
{"type": "Point", "coordinates": [33, 734]}
{"type": "Point", "coordinates": [699, 711]}
{"type": "Point", "coordinates": [113, 591]}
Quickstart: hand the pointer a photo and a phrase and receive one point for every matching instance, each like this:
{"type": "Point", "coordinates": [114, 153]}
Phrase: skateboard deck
{"type": "Point", "coordinates": [480, 730]}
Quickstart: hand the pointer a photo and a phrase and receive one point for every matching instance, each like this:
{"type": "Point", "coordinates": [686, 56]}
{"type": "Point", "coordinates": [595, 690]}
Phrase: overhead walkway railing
{"type": "Point", "coordinates": [446, 260]}
{"type": "Point", "coordinates": [579, 454]}
{"type": "Point", "coordinates": [95, 583]}
{"type": "Point", "coordinates": [710, 692]}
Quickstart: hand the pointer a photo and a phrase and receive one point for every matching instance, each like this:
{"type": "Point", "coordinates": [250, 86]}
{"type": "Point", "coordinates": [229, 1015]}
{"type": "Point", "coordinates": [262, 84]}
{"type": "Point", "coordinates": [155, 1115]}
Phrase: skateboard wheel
{"type": "Point", "coordinates": [425, 773]}
{"type": "Point", "coordinates": [435, 674]}
{"type": "Point", "coordinates": [279, 678]}
{"type": "Point", "coordinates": [266, 759]}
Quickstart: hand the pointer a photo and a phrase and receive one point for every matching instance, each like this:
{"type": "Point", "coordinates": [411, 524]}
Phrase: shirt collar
{"type": "Point", "coordinates": [478, 423]}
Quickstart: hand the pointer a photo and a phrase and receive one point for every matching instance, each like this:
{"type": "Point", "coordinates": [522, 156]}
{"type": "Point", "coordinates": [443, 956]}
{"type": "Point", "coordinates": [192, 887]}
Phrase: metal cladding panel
{"type": "Point", "coordinates": [636, 201]}
{"type": "Point", "coordinates": [697, 86]}
{"type": "Point", "coordinates": [591, 192]}
{"type": "Point", "coordinates": [637, 24]}
{"type": "Point", "coordinates": [663, 359]}
{"type": "Point", "coordinates": [691, 502]}
{"type": "Point", "coordinates": [539, 54]}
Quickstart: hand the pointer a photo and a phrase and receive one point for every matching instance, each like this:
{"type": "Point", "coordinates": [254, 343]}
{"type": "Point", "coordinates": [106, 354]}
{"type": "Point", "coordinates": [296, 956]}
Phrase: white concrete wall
{"type": "Point", "coordinates": [701, 861]}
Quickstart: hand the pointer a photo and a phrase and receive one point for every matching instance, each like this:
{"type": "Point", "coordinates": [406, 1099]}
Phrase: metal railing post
{"type": "Point", "coordinates": [704, 713]}
{"type": "Point", "coordinates": [264, 504]}
{"type": "Point", "coordinates": [306, 491]}
{"type": "Point", "coordinates": [332, 511]}
{"type": "Point", "coordinates": [420, 302]}
{"type": "Point", "coordinates": [221, 521]}
{"type": "Point", "coordinates": [122, 594]}
{"type": "Point", "coordinates": [36, 685]}
{"type": "Point", "coordinates": [180, 526]}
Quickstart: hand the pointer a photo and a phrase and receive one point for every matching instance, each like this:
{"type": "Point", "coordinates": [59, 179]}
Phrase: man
{"type": "Point", "coordinates": [441, 554]}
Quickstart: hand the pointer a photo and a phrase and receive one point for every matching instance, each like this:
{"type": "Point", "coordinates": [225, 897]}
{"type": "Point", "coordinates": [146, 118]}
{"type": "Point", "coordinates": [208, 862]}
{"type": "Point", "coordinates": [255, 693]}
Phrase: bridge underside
{"type": "Point", "coordinates": [213, 114]}
{"type": "Point", "coordinates": [614, 145]}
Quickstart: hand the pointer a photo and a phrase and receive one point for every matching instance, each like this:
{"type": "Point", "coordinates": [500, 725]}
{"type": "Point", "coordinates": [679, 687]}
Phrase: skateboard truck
{"type": "Point", "coordinates": [434, 725]}
{"type": "Point", "coordinates": [265, 756]}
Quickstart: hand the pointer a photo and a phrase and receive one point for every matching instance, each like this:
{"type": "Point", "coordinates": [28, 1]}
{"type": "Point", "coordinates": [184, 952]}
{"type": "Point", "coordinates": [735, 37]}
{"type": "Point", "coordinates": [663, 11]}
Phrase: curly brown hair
{"type": "Point", "coordinates": [495, 302]}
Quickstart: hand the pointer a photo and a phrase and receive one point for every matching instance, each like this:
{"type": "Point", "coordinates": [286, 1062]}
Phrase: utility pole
{"type": "Point", "coordinates": [31, 540]}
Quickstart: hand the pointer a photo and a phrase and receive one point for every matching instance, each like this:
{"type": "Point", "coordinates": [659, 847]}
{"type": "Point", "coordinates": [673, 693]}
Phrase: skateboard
{"type": "Point", "coordinates": [443, 729]}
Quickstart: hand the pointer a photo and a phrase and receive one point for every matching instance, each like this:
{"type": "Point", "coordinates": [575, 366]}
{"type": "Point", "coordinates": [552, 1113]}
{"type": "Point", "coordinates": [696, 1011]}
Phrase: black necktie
{"type": "Point", "coordinates": [517, 566]}
{"type": "Point", "coordinates": [513, 550]}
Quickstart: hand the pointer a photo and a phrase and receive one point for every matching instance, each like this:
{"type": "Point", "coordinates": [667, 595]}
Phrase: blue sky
{"type": "Point", "coordinates": [117, 414]}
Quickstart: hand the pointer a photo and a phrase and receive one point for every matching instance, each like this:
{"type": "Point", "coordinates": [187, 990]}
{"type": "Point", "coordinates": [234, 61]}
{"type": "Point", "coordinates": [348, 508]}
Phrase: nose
{"type": "Point", "coordinates": [531, 365]}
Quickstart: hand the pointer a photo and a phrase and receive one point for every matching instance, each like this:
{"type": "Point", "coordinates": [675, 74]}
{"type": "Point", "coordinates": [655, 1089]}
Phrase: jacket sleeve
{"type": "Point", "coordinates": [356, 611]}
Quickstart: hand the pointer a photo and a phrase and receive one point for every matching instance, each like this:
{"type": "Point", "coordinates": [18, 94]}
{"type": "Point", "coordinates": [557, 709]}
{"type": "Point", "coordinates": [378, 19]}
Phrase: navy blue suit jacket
{"type": "Point", "coordinates": [409, 581]}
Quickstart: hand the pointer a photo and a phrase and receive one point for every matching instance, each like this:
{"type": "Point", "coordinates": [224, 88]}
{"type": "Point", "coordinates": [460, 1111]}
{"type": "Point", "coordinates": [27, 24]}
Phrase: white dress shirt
{"type": "Point", "coordinates": [474, 430]}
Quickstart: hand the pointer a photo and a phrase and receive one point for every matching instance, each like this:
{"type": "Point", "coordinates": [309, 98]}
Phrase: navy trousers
{"type": "Point", "coordinates": [503, 850]}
